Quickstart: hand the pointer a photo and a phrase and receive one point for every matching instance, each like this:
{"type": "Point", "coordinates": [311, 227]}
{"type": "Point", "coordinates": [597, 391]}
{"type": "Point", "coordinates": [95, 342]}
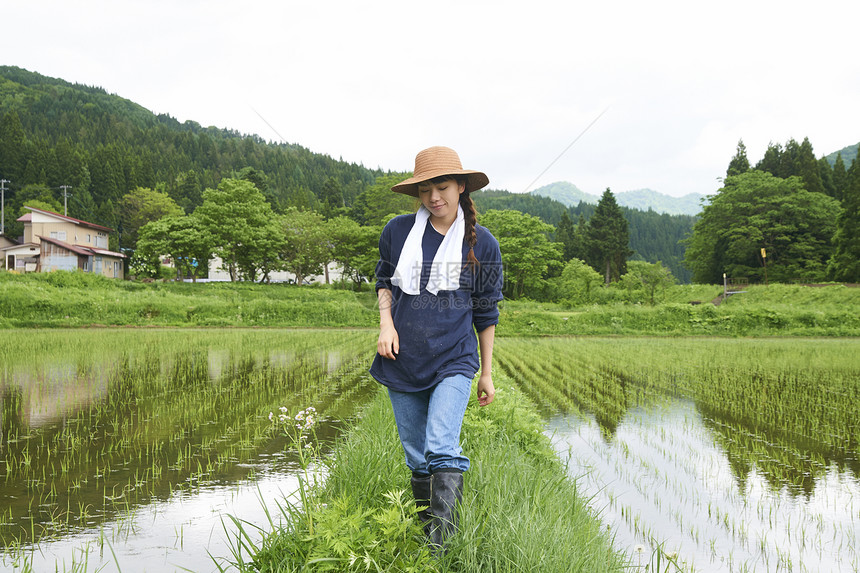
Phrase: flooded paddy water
{"type": "Point", "coordinates": [708, 454]}
{"type": "Point", "coordinates": [127, 450]}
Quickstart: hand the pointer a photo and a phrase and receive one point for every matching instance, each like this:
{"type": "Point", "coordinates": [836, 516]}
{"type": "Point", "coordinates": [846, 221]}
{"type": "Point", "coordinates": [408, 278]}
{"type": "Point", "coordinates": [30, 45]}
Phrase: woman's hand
{"type": "Point", "coordinates": [486, 390]}
{"type": "Point", "coordinates": [388, 343]}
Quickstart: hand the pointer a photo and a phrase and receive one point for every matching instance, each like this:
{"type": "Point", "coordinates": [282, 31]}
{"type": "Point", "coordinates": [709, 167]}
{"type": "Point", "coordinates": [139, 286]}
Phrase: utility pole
{"type": "Point", "coordinates": [3, 183]}
{"type": "Point", "coordinates": [66, 195]}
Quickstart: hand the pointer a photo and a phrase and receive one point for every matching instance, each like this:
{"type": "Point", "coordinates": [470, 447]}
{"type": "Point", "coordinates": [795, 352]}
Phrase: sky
{"type": "Point", "coordinates": [618, 94]}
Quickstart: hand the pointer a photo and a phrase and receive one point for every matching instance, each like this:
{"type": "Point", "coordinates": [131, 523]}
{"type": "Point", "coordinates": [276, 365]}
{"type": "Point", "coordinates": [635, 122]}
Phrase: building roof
{"type": "Point", "coordinates": [20, 246]}
{"type": "Point", "coordinates": [27, 218]}
{"type": "Point", "coordinates": [74, 248]}
{"type": "Point", "coordinates": [107, 252]}
{"type": "Point", "coordinates": [85, 251]}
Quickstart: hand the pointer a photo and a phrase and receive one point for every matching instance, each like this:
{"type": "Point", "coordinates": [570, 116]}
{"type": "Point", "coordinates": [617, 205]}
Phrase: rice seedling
{"type": "Point", "coordinates": [736, 452]}
{"type": "Point", "coordinates": [95, 425]}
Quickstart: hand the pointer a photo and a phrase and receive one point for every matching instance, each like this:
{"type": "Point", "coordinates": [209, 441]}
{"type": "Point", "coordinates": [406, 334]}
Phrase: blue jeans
{"type": "Point", "coordinates": [429, 424]}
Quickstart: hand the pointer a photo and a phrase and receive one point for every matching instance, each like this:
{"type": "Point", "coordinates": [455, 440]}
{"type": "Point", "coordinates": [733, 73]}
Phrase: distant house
{"type": "Point", "coordinates": [217, 273]}
{"type": "Point", "coordinates": [54, 242]}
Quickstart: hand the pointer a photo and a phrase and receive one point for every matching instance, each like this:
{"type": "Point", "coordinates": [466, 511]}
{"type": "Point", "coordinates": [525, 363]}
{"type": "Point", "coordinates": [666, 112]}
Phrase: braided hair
{"type": "Point", "coordinates": [471, 217]}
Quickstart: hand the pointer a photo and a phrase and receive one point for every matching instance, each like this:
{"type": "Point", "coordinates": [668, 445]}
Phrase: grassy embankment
{"type": "Point", "coordinates": [76, 300]}
{"type": "Point", "coordinates": [520, 512]}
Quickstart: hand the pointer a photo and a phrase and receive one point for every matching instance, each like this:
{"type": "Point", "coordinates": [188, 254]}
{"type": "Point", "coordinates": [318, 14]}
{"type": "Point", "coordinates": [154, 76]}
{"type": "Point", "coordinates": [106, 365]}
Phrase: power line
{"type": "Point", "coordinates": [566, 148]}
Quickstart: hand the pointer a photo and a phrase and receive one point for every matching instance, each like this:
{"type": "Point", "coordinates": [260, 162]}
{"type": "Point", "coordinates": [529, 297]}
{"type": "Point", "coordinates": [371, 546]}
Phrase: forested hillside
{"type": "Point", "coordinates": [145, 175]}
{"type": "Point", "coordinates": [653, 236]}
{"type": "Point", "coordinates": [55, 133]}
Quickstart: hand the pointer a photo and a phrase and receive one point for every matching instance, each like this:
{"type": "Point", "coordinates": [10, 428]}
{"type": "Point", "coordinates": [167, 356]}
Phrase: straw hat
{"type": "Point", "coordinates": [434, 162]}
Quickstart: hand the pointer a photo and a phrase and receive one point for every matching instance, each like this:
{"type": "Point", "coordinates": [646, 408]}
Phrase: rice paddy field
{"type": "Point", "coordinates": [709, 454]}
{"type": "Point", "coordinates": [124, 449]}
{"type": "Point", "coordinates": [121, 448]}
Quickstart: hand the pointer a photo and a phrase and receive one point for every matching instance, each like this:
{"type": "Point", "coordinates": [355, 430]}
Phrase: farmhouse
{"type": "Point", "coordinates": [54, 242]}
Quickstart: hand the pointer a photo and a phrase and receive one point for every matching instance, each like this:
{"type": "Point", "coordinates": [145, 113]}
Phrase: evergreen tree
{"type": "Point", "coordinates": [739, 163]}
{"type": "Point", "coordinates": [331, 198]}
{"type": "Point", "coordinates": [13, 158]}
{"type": "Point", "coordinates": [607, 238]}
{"type": "Point", "coordinates": [755, 211]}
{"type": "Point", "coordinates": [771, 160]}
{"type": "Point", "coordinates": [840, 177]}
{"type": "Point", "coordinates": [580, 239]}
{"type": "Point", "coordinates": [826, 173]}
{"type": "Point", "coordinates": [807, 167]}
{"type": "Point", "coordinates": [565, 233]}
{"type": "Point", "coordinates": [845, 263]}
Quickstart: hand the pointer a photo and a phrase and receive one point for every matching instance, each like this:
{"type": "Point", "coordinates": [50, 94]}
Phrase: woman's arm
{"type": "Point", "coordinates": [388, 343]}
{"type": "Point", "coordinates": [486, 390]}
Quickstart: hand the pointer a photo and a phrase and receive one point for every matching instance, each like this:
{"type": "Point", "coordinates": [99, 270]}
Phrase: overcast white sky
{"type": "Point", "coordinates": [509, 85]}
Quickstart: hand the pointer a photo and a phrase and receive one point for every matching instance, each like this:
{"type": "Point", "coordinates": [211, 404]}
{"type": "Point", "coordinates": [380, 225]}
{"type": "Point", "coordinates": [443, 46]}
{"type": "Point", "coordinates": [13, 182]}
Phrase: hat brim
{"type": "Point", "coordinates": [474, 180]}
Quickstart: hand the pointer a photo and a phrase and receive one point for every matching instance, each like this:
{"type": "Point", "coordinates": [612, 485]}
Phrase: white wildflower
{"type": "Point", "coordinates": [283, 409]}
{"type": "Point", "coordinates": [271, 415]}
{"type": "Point", "coordinates": [639, 548]}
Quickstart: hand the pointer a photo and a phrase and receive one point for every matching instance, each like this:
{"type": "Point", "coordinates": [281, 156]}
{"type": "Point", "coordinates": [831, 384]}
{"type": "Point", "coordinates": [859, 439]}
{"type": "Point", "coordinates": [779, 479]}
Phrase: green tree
{"type": "Point", "coordinates": [808, 169]}
{"type": "Point", "coordinates": [354, 248]}
{"type": "Point", "coordinates": [826, 173]}
{"type": "Point", "coordinates": [648, 277]}
{"type": "Point", "coordinates": [31, 194]}
{"type": "Point", "coordinates": [377, 203]}
{"type": "Point", "coordinates": [739, 163]}
{"type": "Point", "coordinates": [331, 198]}
{"type": "Point", "coordinates": [771, 160]}
{"type": "Point", "coordinates": [13, 150]}
{"type": "Point", "coordinates": [578, 282]}
{"type": "Point", "coordinates": [579, 248]}
{"type": "Point", "coordinates": [141, 206]}
{"type": "Point", "coordinates": [243, 227]}
{"type": "Point", "coordinates": [755, 211]}
{"type": "Point", "coordinates": [565, 233]}
{"type": "Point", "coordinates": [608, 239]}
{"type": "Point", "coordinates": [845, 264]}
{"type": "Point", "coordinates": [306, 246]}
{"type": "Point", "coordinates": [527, 253]}
{"type": "Point", "coordinates": [183, 238]}
{"type": "Point", "coordinates": [840, 178]}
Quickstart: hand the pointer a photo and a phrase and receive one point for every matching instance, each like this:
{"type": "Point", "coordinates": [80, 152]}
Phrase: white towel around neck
{"type": "Point", "coordinates": [447, 263]}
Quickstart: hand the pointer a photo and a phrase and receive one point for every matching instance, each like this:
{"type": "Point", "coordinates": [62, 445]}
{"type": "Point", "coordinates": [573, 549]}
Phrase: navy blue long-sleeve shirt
{"type": "Point", "coordinates": [437, 332]}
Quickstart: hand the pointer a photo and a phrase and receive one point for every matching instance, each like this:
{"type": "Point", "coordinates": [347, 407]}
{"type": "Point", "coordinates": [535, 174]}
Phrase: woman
{"type": "Point", "coordinates": [439, 280]}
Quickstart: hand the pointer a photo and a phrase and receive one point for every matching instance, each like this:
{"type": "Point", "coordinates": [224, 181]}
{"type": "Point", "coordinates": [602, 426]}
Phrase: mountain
{"type": "Point", "coordinates": [54, 133]}
{"type": "Point", "coordinates": [653, 236]}
{"type": "Point", "coordinates": [566, 193]}
{"type": "Point", "coordinates": [642, 199]}
{"type": "Point", "coordinates": [848, 154]}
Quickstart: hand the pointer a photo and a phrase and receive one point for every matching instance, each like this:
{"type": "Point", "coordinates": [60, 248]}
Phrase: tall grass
{"type": "Point", "coordinates": [520, 512]}
{"type": "Point", "coordinates": [777, 310]}
{"type": "Point", "coordinates": [64, 299]}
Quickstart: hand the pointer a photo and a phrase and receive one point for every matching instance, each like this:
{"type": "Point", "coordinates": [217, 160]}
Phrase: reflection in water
{"type": "Point", "coordinates": [100, 437]}
{"type": "Point", "coordinates": [738, 453]}
{"type": "Point", "coordinates": [665, 479]}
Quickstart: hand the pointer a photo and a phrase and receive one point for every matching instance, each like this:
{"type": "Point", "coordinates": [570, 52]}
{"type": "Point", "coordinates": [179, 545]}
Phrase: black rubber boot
{"type": "Point", "coordinates": [446, 492]}
{"type": "Point", "coordinates": [421, 493]}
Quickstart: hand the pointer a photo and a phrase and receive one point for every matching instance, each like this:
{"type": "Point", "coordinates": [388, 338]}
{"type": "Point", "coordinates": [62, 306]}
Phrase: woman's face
{"type": "Point", "coordinates": [441, 199]}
